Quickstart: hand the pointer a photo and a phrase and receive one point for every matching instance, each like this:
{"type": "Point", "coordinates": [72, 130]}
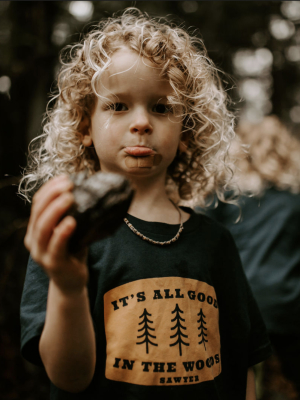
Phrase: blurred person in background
{"type": "Point", "coordinates": [268, 233]}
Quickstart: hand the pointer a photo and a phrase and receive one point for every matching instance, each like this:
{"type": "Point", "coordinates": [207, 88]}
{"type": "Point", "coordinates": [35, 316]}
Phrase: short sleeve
{"type": "Point", "coordinates": [240, 318]}
{"type": "Point", "coordinates": [33, 311]}
{"type": "Point", "coordinates": [259, 344]}
{"type": "Point", "coordinates": [259, 347]}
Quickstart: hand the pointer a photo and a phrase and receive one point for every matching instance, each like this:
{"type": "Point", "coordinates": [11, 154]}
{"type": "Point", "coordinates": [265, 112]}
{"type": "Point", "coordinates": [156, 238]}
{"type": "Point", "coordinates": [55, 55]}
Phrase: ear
{"type": "Point", "coordinates": [87, 140]}
{"type": "Point", "coordinates": [84, 129]}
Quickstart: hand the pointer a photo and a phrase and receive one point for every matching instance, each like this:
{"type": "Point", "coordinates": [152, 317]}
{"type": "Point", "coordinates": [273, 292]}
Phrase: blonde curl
{"type": "Point", "coordinates": [202, 169]}
{"type": "Point", "coordinates": [272, 158]}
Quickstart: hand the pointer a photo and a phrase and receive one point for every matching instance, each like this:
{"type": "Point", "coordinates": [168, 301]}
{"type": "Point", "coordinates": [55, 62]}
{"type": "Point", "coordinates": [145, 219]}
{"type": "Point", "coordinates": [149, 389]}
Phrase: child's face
{"type": "Point", "coordinates": [137, 121]}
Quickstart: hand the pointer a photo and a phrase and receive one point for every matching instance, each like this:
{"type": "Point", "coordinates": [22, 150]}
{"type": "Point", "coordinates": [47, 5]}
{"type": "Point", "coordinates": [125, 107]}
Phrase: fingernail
{"type": "Point", "coordinates": [70, 221]}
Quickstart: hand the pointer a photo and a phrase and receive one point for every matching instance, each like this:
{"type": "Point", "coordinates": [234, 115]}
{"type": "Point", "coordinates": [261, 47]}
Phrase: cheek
{"type": "Point", "coordinates": [170, 145]}
{"type": "Point", "coordinates": [106, 140]}
{"type": "Point", "coordinates": [171, 141]}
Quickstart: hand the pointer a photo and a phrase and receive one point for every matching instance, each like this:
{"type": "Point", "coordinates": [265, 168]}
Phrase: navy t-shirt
{"type": "Point", "coordinates": [170, 321]}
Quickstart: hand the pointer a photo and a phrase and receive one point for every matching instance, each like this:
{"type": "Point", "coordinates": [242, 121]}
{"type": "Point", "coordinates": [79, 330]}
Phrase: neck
{"type": "Point", "coordinates": [151, 203]}
{"type": "Point", "coordinates": [150, 200]}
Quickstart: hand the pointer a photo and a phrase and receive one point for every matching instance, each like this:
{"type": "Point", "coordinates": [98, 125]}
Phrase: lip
{"type": "Point", "coordinates": [139, 151]}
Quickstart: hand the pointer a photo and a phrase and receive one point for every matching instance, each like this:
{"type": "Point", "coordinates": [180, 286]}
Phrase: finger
{"type": "Point", "coordinates": [38, 200]}
{"type": "Point", "coordinates": [48, 192]}
{"type": "Point", "coordinates": [58, 244]}
{"type": "Point", "coordinates": [64, 268]}
{"type": "Point", "coordinates": [44, 189]}
{"type": "Point", "coordinates": [48, 220]}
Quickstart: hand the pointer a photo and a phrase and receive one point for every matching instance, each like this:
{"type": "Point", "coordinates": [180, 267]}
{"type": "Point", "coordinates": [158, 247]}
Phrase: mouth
{"type": "Point", "coordinates": [139, 151]}
{"type": "Point", "coordinates": [141, 157]}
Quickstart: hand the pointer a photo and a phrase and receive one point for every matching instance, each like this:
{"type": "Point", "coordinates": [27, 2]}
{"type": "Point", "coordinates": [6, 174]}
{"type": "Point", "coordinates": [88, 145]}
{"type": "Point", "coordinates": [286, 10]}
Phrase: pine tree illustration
{"type": "Point", "coordinates": [202, 328]}
{"type": "Point", "coordinates": [147, 335]}
{"type": "Point", "coordinates": [179, 327]}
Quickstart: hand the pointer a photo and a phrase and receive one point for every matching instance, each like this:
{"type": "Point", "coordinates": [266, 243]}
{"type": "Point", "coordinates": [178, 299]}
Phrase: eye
{"type": "Point", "coordinates": [162, 108]}
{"type": "Point", "coordinates": [117, 107]}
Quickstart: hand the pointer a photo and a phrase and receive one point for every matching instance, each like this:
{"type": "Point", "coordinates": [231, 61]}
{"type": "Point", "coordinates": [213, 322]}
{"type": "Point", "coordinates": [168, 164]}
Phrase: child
{"type": "Point", "coordinates": [129, 318]}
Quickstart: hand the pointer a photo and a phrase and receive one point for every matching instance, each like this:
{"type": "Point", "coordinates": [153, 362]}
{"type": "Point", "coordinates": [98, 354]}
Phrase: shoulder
{"type": "Point", "coordinates": [220, 243]}
{"type": "Point", "coordinates": [225, 213]}
{"type": "Point", "coordinates": [213, 227]}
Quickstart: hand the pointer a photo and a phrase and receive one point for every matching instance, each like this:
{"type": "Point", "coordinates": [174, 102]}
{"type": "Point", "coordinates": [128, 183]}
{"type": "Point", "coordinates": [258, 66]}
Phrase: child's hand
{"type": "Point", "coordinates": [47, 236]}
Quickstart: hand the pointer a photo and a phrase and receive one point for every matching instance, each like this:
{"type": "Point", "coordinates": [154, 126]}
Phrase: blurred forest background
{"type": "Point", "coordinates": [256, 42]}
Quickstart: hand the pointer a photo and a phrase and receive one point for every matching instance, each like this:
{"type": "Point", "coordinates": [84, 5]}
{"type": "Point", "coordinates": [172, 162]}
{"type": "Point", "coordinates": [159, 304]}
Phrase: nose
{"type": "Point", "coordinates": [141, 123]}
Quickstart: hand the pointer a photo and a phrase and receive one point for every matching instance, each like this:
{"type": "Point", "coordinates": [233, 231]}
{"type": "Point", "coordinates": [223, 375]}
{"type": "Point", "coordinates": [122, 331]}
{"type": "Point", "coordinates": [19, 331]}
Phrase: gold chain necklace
{"type": "Point", "coordinates": [176, 237]}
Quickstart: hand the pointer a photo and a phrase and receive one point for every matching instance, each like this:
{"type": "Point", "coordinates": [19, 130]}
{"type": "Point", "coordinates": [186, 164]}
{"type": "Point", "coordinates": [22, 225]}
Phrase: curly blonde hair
{"type": "Point", "coordinates": [273, 158]}
{"type": "Point", "coordinates": [207, 123]}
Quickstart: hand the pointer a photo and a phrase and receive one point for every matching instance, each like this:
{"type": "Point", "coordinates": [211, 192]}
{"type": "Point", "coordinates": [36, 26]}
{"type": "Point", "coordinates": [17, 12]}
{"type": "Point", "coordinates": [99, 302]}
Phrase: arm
{"type": "Point", "coordinates": [250, 391]}
{"type": "Point", "coordinates": [67, 344]}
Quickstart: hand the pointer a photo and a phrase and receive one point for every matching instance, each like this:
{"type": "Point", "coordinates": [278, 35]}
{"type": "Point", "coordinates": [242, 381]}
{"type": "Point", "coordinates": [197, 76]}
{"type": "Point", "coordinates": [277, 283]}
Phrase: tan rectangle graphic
{"type": "Point", "coordinates": [162, 331]}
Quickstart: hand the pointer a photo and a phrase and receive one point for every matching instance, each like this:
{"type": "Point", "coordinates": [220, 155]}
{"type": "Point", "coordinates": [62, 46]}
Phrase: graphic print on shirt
{"type": "Point", "coordinates": [162, 331]}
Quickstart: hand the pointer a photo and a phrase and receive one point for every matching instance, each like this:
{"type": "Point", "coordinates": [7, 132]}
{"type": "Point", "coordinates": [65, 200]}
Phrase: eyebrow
{"type": "Point", "coordinates": [118, 95]}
